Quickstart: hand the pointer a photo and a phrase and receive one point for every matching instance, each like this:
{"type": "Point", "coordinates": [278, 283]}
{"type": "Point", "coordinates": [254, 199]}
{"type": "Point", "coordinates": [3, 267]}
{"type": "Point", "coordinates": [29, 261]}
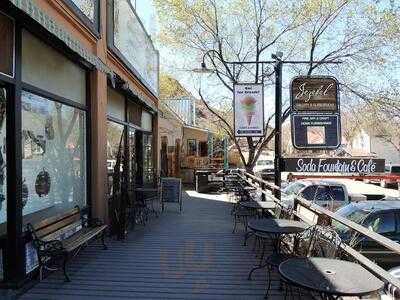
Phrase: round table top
{"type": "Point", "coordinates": [330, 276]}
{"type": "Point", "coordinates": [277, 226]}
{"type": "Point", "coordinates": [258, 204]}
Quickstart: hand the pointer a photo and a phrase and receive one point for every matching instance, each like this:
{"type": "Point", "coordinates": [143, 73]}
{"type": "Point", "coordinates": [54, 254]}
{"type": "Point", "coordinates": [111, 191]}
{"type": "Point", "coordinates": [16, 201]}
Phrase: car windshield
{"type": "Point", "coordinates": [352, 213]}
{"type": "Point", "coordinates": [264, 162]}
{"type": "Point", "coordinates": [293, 188]}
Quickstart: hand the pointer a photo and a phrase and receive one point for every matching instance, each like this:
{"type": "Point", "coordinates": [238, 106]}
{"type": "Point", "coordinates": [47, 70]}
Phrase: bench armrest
{"type": "Point", "coordinates": [95, 222]}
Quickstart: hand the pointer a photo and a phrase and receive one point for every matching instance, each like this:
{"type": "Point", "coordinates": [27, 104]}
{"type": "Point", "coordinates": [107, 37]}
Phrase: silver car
{"type": "Point", "coordinates": [328, 194]}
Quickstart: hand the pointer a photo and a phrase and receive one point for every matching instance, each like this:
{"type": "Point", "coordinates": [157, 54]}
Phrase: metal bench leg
{"type": "Point", "coordinates": [65, 269]}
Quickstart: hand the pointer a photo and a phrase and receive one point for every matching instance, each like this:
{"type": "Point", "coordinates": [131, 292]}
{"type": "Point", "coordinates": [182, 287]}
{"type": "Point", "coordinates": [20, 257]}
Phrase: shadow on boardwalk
{"type": "Point", "coordinates": [192, 255]}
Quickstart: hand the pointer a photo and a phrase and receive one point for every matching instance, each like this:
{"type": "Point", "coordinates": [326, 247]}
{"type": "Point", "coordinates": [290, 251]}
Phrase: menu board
{"type": "Point", "coordinates": [171, 191]}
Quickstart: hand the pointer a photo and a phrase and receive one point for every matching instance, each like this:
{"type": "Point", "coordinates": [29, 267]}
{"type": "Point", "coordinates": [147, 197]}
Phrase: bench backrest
{"type": "Point", "coordinates": [55, 226]}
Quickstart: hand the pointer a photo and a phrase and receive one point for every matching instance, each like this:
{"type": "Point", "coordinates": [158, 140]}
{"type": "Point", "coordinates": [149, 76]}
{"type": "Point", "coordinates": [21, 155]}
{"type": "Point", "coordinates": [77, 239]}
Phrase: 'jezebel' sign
{"type": "Point", "coordinates": [314, 94]}
{"type": "Point", "coordinates": [334, 165]}
{"type": "Point", "coordinates": [248, 104]}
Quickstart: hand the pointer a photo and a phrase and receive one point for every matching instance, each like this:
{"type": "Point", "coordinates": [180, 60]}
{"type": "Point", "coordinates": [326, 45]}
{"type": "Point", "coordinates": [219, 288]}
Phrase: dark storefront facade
{"type": "Point", "coordinates": [68, 109]}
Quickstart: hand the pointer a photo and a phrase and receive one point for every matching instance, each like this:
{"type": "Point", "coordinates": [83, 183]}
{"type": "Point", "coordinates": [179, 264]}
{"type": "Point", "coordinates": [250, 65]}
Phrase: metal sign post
{"type": "Point", "coordinates": [278, 126]}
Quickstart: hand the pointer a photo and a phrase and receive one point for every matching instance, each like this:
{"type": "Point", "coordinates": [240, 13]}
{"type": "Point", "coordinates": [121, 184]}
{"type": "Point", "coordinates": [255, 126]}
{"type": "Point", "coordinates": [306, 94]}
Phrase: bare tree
{"type": "Point", "coordinates": [238, 30]}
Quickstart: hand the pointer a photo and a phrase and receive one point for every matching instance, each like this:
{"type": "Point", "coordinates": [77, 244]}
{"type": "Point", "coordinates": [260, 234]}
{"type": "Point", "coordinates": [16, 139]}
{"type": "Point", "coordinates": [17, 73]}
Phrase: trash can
{"type": "Point", "coordinates": [202, 181]}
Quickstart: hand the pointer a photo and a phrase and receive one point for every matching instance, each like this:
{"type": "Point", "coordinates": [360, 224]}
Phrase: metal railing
{"type": "Point", "coordinates": [312, 213]}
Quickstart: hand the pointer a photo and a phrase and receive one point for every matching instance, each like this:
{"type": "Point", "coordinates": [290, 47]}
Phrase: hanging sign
{"type": "Point", "coordinates": [313, 131]}
{"type": "Point", "coordinates": [314, 94]}
{"type": "Point", "coordinates": [333, 165]}
{"type": "Point", "coordinates": [248, 104]}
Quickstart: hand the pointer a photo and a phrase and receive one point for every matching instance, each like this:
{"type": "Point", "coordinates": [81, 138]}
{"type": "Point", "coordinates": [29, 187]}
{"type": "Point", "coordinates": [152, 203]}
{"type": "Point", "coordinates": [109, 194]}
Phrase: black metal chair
{"type": "Point", "coordinates": [316, 241]}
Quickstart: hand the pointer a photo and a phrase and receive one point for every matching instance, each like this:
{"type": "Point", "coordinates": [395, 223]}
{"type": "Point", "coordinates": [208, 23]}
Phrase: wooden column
{"type": "Point", "coordinates": [98, 121]}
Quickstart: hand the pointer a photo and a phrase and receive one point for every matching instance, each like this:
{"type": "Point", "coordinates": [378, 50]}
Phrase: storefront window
{"type": "Point", "coordinates": [53, 157]}
{"type": "Point", "coordinates": [147, 121]}
{"type": "Point", "coordinates": [115, 104]}
{"type": "Point", "coordinates": [115, 150]}
{"type": "Point", "coordinates": [148, 171]}
{"type": "Point", "coordinates": [134, 113]}
{"type": "Point", "coordinates": [3, 159]}
{"type": "Point", "coordinates": [47, 69]}
{"type": "Point", "coordinates": [6, 45]}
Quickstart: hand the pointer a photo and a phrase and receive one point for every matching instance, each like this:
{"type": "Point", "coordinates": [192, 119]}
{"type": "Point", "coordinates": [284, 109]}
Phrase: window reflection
{"type": "Point", "coordinates": [134, 43]}
{"type": "Point", "coordinates": [115, 151]}
{"type": "Point", "coordinates": [87, 7]}
{"type": "Point", "coordinates": [53, 157]}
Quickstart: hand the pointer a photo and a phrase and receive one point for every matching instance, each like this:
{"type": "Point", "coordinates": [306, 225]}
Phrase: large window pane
{"type": "Point", "coordinates": [115, 104]}
{"type": "Point", "coordinates": [147, 121]}
{"type": "Point", "coordinates": [6, 45]}
{"type": "Point", "coordinates": [53, 157]}
{"type": "Point", "coordinates": [115, 150]}
{"type": "Point", "coordinates": [49, 70]}
{"type": "Point", "coordinates": [87, 7]}
{"type": "Point", "coordinates": [134, 44]}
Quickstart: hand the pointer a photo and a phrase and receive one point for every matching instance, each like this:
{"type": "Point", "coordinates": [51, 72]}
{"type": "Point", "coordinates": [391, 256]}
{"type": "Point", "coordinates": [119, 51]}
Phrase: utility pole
{"type": "Point", "coordinates": [278, 125]}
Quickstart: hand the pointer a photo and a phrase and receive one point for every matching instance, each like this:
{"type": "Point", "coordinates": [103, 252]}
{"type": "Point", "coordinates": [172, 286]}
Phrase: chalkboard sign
{"type": "Point", "coordinates": [171, 191]}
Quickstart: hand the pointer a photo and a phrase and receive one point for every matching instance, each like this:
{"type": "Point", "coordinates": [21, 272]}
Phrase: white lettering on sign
{"type": "Point", "coordinates": [322, 166]}
{"type": "Point", "coordinates": [309, 94]}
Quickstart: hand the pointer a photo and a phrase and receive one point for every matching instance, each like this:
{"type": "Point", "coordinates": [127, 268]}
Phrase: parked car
{"type": "Point", "coordinates": [382, 217]}
{"type": "Point", "coordinates": [328, 194]}
{"type": "Point", "coordinates": [265, 169]}
{"type": "Point", "coordinates": [389, 170]}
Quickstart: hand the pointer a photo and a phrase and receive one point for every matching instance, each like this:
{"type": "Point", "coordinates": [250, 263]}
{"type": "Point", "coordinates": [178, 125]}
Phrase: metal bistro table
{"type": "Point", "coordinates": [275, 228]}
{"type": "Point", "coordinates": [330, 278]}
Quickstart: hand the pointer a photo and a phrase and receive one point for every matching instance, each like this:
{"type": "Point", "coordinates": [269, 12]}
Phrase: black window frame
{"type": "Point", "coordinates": [94, 26]}
{"type": "Point", "coordinates": [5, 75]}
{"type": "Point", "coordinates": [118, 53]}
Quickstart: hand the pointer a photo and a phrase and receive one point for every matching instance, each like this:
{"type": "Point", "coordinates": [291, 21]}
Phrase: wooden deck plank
{"type": "Point", "coordinates": [192, 255]}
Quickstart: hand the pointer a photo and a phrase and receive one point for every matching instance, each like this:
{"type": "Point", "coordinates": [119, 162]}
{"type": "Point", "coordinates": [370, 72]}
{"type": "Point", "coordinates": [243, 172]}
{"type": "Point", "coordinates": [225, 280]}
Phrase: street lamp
{"type": "Point", "coordinates": [204, 68]}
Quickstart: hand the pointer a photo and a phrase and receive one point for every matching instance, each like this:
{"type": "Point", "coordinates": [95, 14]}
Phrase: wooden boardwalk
{"type": "Point", "coordinates": [192, 255]}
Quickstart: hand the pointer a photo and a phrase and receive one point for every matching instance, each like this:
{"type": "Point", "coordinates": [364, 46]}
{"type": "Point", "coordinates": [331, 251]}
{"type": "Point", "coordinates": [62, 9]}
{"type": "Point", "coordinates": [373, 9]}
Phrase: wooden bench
{"type": "Point", "coordinates": [58, 239]}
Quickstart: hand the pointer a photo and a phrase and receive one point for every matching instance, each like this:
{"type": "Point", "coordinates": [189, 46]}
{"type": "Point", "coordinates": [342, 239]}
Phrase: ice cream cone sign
{"type": "Point", "coordinates": [248, 108]}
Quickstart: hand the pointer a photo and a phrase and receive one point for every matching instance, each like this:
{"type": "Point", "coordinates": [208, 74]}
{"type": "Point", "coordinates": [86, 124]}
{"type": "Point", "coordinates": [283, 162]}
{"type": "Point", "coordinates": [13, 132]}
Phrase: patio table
{"type": "Point", "coordinates": [275, 228]}
{"type": "Point", "coordinates": [330, 278]}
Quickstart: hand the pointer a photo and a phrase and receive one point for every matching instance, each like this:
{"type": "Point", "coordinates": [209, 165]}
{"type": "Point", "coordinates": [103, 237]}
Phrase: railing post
{"type": "Point", "coordinates": [262, 194]}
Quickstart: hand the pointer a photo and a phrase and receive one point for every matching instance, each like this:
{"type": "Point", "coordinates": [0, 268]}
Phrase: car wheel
{"type": "Point", "coordinates": [383, 183]}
